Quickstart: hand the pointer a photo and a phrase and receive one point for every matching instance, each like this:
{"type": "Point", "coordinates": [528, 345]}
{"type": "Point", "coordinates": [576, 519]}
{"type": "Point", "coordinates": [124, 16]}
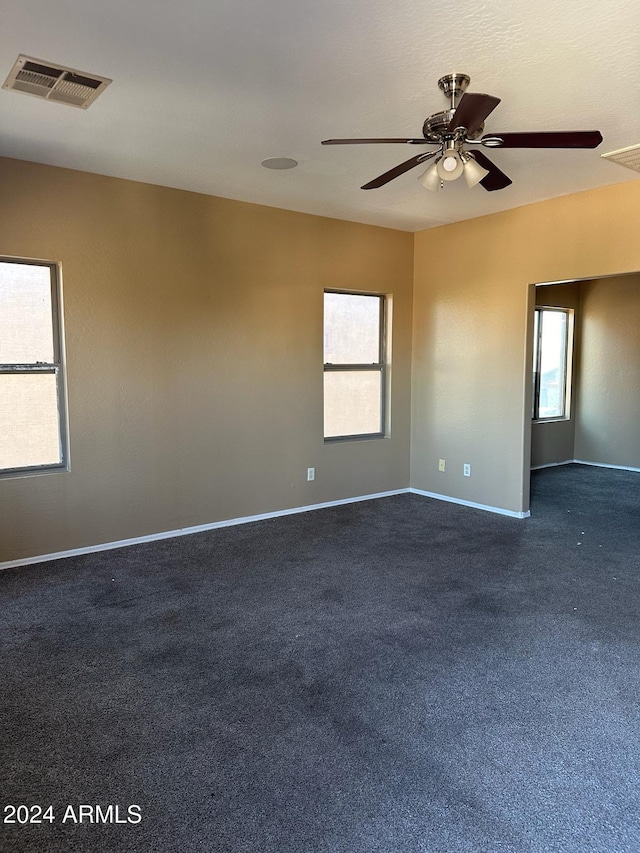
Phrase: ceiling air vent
{"type": "Point", "coordinates": [628, 157]}
{"type": "Point", "coordinates": [55, 82]}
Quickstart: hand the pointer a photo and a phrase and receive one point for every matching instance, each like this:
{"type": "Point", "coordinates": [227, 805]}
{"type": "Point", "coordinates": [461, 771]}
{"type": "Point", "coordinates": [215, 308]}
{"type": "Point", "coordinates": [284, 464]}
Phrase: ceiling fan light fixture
{"type": "Point", "coordinates": [450, 166]}
{"type": "Point", "coordinates": [431, 179]}
{"type": "Point", "coordinates": [473, 171]}
{"type": "Point", "coordinates": [463, 123]}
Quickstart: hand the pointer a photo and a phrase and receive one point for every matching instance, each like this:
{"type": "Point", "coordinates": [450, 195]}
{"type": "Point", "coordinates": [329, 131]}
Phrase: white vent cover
{"type": "Point", "coordinates": [628, 157]}
{"type": "Point", "coordinates": [55, 82]}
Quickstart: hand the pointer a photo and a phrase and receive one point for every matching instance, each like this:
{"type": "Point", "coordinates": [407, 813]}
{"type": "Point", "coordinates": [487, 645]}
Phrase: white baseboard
{"type": "Point", "coordinates": [584, 462]}
{"type": "Point", "coordinates": [552, 464]}
{"type": "Point", "coordinates": [511, 513]}
{"type": "Point", "coordinates": [201, 528]}
{"type": "Point", "coordinates": [186, 531]}
{"type": "Point", "coordinates": [604, 465]}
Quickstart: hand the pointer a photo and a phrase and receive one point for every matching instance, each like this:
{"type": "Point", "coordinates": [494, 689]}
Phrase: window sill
{"type": "Point", "coordinates": [346, 438]}
{"type": "Point", "coordinates": [19, 473]}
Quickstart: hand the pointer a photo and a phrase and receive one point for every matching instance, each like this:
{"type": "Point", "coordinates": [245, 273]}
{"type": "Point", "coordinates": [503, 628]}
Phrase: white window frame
{"type": "Point", "coordinates": [565, 394]}
{"type": "Point", "coordinates": [56, 367]}
{"type": "Point", "coordinates": [377, 367]}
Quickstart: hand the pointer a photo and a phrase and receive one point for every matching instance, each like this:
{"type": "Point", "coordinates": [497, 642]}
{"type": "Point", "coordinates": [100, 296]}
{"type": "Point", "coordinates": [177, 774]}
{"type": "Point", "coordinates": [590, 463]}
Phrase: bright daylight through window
{"type": "Point", "coordinates": [354, 370]}
{"type": "Point", "coordinates": [32, 423]}
{"type": "Point", "coordinates": [551, 363]}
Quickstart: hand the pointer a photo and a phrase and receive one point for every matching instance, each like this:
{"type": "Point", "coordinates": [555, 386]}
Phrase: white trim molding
{"type": "Point", "coordinates": [552, 464]}
{"type": "Point", "coordinates": [584, 462]}
{"type": "Point", "coordinates": [509, 512]}
{"type": "Point", "coordinates": [186, 531]}
{"type": "Point", "coordinates": [604, 465]}
{"type": "Point", "coordinates": [202, 528]}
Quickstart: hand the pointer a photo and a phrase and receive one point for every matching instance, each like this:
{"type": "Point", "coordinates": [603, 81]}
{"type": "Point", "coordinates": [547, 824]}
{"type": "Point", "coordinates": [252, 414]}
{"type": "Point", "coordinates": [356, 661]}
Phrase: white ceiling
{"type": "Point", "coordinates": [204, 90]}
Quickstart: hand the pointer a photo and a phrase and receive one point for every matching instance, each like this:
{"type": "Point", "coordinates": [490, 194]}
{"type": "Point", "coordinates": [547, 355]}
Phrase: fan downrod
{"type": "Point", "coordinates": [454, 87]}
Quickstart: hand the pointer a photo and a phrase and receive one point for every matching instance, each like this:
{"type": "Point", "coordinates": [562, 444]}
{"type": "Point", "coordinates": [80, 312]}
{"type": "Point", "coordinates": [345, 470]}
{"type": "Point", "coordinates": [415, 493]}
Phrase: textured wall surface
{"type": "Point", "coordinates": [472, 334]}
{"type": "Point", "coordinates": [608, 423]}
{"type": "Point", "coordinates": [194, 357]}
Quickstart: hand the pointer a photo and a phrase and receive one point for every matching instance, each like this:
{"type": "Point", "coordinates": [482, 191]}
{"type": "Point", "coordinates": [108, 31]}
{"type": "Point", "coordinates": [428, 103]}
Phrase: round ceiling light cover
{"type": "Point", "coordinates": [279, 163]}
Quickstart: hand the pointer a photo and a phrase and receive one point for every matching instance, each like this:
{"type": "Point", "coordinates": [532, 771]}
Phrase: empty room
{"type": "Point", "coordinates": [319, 428]}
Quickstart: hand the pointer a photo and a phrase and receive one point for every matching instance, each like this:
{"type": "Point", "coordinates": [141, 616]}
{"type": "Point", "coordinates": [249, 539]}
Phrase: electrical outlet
{"type": "Point", "coordinates": [441, 465]}
{"type": "Point", "coordinates": [466, 469]}
{"type": "Point", "coordinates": [311, 474]}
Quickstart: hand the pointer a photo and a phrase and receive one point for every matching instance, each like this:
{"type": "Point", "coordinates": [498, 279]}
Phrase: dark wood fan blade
{"type": "Point", "coordinates": [495, 180]}
{"type": "Point", "coordinates": [472, 111]}
{"type": "Point", "coordinates": [551, 139]}
{"type": "Point", "coordinates": [381, 180]}
{"type": "Point", "coordinates": [419, 141]}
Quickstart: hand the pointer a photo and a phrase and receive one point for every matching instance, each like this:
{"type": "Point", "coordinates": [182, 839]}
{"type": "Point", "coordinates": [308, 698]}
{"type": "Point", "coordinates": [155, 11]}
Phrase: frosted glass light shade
{"type": "Point", "coordinates": [431, 179]}
{"type": "Point", "coordinates": [473, 172]}
{"type": "Point", "coordinates": [450, 166]}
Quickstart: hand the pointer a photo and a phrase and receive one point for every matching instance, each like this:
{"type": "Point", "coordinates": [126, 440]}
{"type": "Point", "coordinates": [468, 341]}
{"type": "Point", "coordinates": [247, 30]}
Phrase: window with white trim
{"type": "Point", "coordinates": [552, 345]}
{"type": "Point", "coordinates": [33, 434]}
{"type": "Point", "coordinates": [354, 365]}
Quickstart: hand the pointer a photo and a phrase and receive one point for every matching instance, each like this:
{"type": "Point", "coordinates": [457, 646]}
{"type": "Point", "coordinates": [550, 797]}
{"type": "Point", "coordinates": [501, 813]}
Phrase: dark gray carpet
{"type": "Point", "coordinates": [393, 676]}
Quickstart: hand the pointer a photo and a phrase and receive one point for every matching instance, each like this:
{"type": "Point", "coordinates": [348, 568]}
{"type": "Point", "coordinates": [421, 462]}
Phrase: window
{"type": "Point", "coordinates": [354, 368]}
{"type": "Point", "coordinates": [551, 363]}
{"type": "Point", "coordinates": [32, 397]}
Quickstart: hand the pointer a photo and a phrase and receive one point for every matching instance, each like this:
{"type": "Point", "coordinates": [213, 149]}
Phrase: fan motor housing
{"type": "Point", "coordinates": [436, 125]}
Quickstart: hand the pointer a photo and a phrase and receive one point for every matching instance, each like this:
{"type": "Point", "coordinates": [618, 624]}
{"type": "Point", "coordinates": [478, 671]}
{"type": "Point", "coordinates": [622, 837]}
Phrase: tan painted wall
{"type": "Point", "coordinates": [473, 309]}
{"type": "Point", "coordinates": [194, 352]}
{"type": "Point", "coordinates": [608, 423]}
{"type": "Point", "coordinates": [553, 441]}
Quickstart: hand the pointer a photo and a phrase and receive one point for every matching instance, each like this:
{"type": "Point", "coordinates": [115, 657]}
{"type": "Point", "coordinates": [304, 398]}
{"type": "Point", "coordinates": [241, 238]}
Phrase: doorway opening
{"type": "Point", "coordinates": [600, 422]}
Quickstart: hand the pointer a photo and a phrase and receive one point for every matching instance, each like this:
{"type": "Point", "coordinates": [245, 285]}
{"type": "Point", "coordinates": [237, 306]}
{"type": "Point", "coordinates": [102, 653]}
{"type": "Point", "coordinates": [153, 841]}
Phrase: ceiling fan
{"type": "Point", "coordinates": [451, 130]}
